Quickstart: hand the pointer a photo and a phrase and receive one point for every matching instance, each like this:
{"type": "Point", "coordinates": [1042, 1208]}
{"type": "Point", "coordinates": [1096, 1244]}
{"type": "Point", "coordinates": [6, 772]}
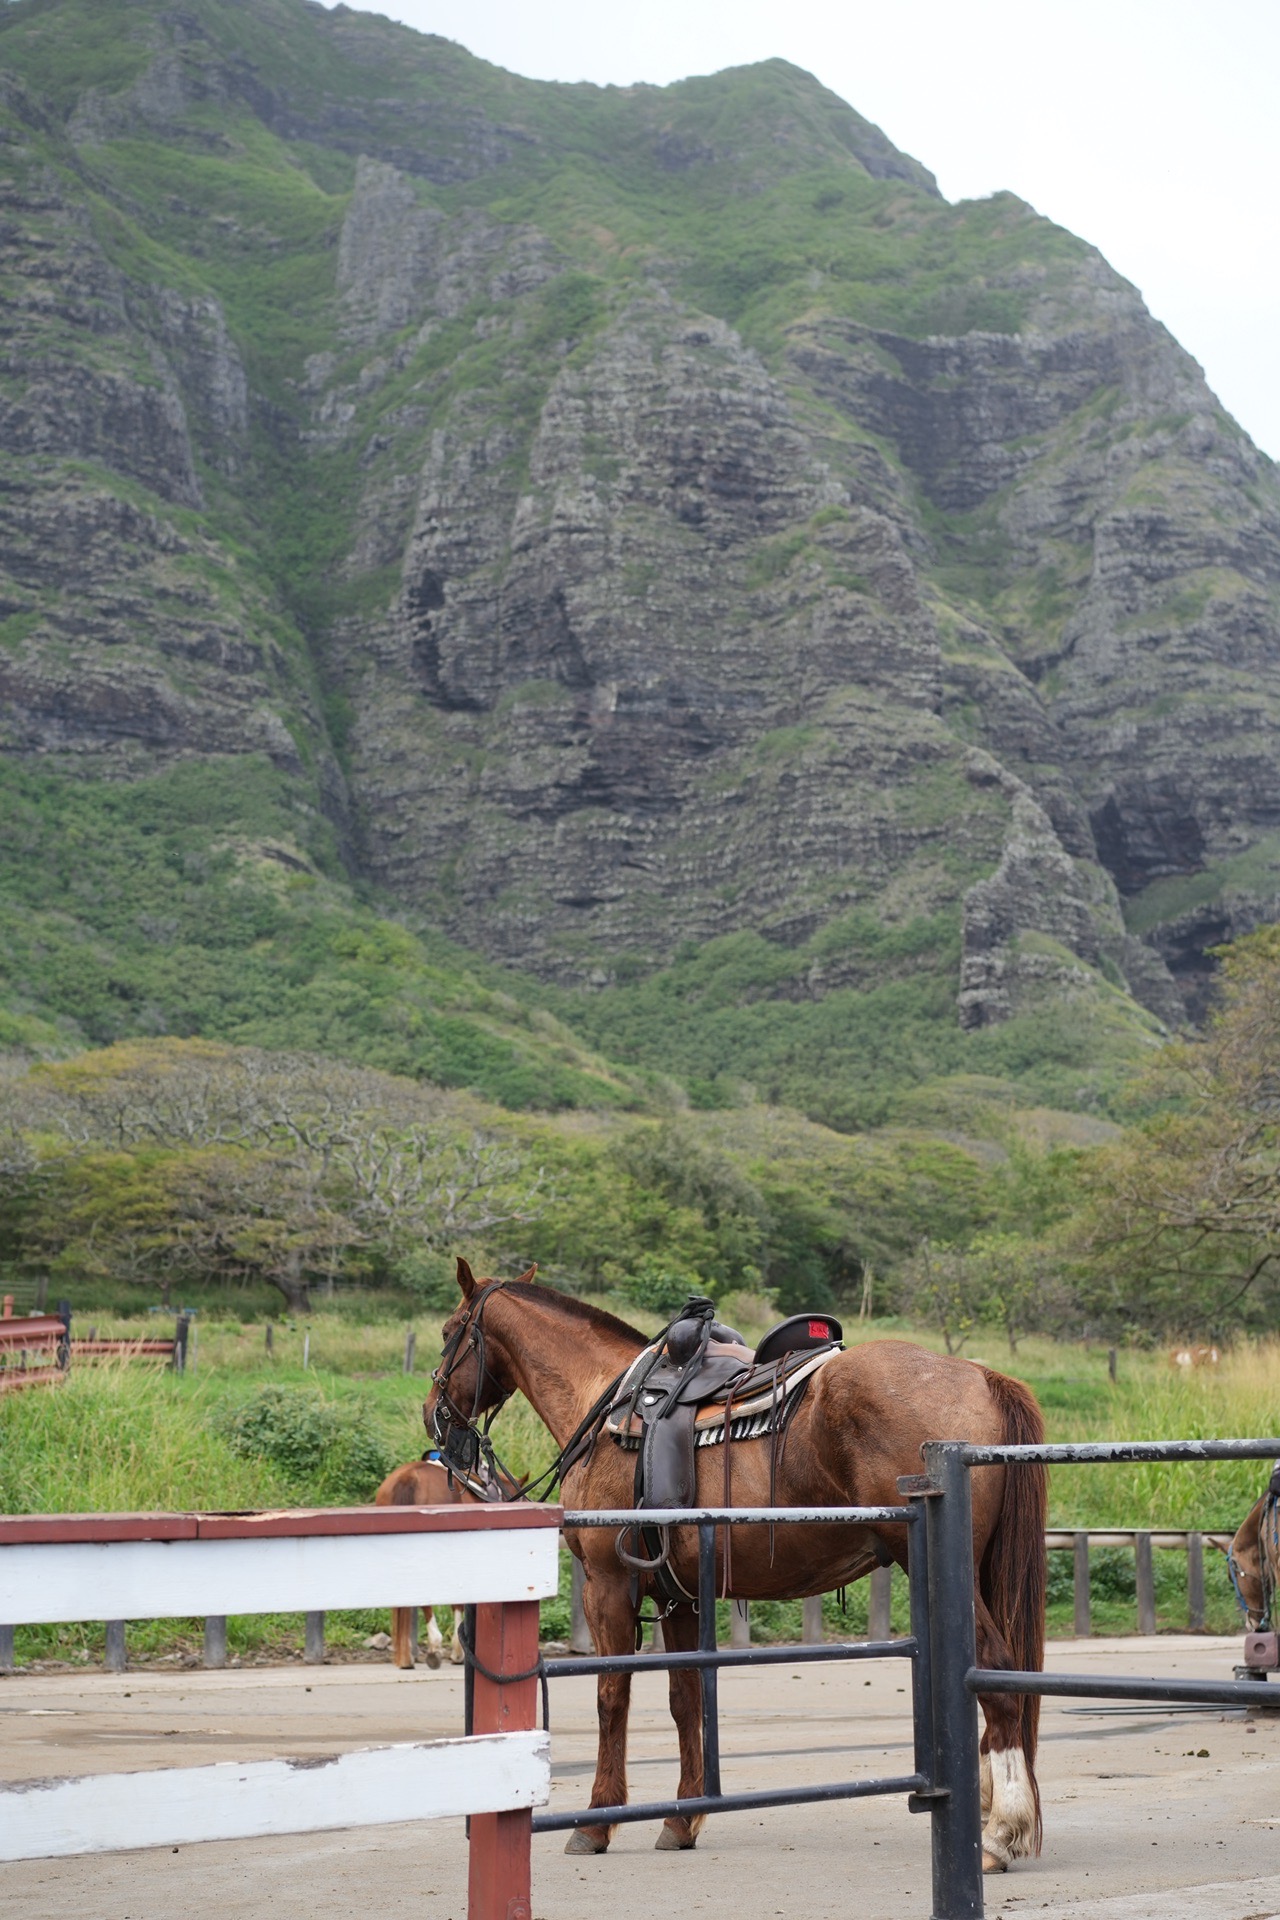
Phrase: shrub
{"type": "Point", "coordinates": [326, 1450]}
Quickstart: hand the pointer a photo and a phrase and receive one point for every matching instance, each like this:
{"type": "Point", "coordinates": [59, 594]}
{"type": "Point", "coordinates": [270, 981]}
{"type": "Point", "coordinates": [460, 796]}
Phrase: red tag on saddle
{"type": "Point", "coordinates": [819, 1330]}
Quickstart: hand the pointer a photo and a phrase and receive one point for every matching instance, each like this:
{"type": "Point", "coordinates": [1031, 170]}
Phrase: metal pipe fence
{"type": "Point", "coordinates": [708, 1659]}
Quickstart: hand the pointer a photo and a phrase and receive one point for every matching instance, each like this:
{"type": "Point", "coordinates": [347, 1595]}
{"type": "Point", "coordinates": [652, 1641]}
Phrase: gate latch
{"type": "Point", "coordinates": [925, 1799]}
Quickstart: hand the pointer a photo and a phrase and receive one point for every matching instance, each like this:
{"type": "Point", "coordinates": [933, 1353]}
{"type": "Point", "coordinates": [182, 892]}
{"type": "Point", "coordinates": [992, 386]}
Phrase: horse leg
{"type": "Point", "coordinates": [402, 1636]}
{"type": "Point", "coordinates": [1010, 1797]}
{"type": "Point", "coordinates": [435, 1639]}
{"type": "Point", "coordinates": [612, 1620]}
{"type": "Point", "coordinates": [680, 1634]}
{"type": "Point", "coordinates": [456, 1653]}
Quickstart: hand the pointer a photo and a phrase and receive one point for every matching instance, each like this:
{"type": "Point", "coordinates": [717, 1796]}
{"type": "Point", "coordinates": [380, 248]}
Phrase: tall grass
{"type": "Point", "coordinates": [1238, 1399]}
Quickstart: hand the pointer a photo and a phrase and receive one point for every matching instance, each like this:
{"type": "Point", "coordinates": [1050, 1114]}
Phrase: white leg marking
{"type": "Point", "coordinates": [1008, 1831]}
{"type": "Point", "coordinates": [435, 1639]}
{"type": "Point", "coordinates": [456, 1655]}
{"type": "Point", "coordinates": [984, 1773]}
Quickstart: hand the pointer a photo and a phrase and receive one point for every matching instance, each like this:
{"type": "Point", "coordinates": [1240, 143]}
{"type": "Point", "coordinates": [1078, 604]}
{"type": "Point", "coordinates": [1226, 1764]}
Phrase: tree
{"type": "Point", "coordinates": [231, 1161]}
{"type": "Point", "coordinates": [1184, 1226]}
{"type": "Point", "coordinates": [947, 1288]}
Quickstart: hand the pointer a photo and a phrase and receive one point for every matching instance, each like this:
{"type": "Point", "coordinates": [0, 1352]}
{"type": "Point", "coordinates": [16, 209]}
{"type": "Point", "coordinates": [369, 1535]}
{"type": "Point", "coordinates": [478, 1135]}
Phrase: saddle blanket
{"type": "Point", "coordinates": [765, 1403]}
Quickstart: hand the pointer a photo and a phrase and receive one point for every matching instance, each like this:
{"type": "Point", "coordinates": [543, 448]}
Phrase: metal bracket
{"type": "Point", "coordinates": [916, 1485]}
{"type": "Point", "coordinates": [927, 1799]}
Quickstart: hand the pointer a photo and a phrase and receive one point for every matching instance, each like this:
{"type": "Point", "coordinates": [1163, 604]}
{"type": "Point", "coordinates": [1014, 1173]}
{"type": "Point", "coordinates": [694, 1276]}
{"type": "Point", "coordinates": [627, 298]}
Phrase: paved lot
{"type": "Point", "coordinates": [1139, 1823]}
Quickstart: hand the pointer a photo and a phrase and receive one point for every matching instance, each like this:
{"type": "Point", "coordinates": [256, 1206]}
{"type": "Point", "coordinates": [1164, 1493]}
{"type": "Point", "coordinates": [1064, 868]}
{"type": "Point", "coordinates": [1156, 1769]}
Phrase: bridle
{"type": "Point", "coordinates": [464, 1442]}
{"type": "Point", "coordinates": [461, 1440]}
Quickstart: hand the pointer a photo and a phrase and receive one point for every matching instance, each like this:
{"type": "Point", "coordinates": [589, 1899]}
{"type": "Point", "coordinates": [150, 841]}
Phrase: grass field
{"type": "Point", "coordinates": [246, 1428]}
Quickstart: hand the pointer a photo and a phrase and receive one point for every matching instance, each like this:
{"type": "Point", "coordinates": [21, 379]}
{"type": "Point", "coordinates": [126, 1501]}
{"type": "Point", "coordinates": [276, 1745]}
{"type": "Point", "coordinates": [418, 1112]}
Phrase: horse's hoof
{"type": "Point", "coordinates": [992, 1863]}
{"type": "Point", "coordinates": [580, 1841]}
{"type": "Point", "coordinates": [405, 1666]}
{"type": "Point", "coordinates": [432, 1657]}
{"type": "Point", "coordinates": [669, 1841]}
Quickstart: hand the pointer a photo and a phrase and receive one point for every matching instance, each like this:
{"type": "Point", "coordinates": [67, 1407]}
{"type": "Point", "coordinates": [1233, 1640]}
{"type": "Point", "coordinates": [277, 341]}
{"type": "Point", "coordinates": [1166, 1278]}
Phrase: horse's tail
{"type": "Point", "coordinates": [1013, 1572]}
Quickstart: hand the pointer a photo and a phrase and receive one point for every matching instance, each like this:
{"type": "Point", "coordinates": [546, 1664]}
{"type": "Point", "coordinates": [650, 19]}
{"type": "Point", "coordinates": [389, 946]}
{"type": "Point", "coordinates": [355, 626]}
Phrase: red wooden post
{"type": "Point", "coordinates": [506, 1642]}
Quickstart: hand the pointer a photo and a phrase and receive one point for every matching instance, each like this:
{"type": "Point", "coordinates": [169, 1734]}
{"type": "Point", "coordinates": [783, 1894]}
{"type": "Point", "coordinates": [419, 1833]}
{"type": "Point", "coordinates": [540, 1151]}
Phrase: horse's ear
{"type": "Point", "coordinates": [528, 1274]}
{"type": "Point", "coordinates": [466, 1279]}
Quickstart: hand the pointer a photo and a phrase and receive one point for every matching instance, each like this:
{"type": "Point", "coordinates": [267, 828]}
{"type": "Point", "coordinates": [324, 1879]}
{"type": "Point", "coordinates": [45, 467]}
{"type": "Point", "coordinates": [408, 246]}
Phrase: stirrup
{"type": "Point", "coordinates": [635, 1561]}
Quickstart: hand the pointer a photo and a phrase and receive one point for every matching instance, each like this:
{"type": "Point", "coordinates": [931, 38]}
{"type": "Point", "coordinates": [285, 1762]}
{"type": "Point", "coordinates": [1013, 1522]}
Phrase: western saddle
{"type": "Point", "coordinates": [700, 1385]}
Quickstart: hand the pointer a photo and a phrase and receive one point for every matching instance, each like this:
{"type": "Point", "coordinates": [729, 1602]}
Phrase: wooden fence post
{"type": "Point", "coordinates": [117, 1653]}
{"type": "Point", "coordinates": [7, 1658]}
{"type": "Point", "coordinates": [1082, 1626]}
{"type": "Point", "coordinates": [410, 1342]}
{"type": "Point", "coordinates": [1195, 1582]}
{"type": "Point", "coordinates": [880, 1605]}
{"type": "Point", "coordinates": [498, 1885]}
{"type": "Point", "coordinates": [739, 1624]}
{"type": "Point", "coordinates": [215, 1640]}
{"type": "Point", "coordinates": [811, 1631]}
{"type": "Point", "coordinates": [313, 1646]}
{"type": "Point", "coordinates": [1144, 1570]}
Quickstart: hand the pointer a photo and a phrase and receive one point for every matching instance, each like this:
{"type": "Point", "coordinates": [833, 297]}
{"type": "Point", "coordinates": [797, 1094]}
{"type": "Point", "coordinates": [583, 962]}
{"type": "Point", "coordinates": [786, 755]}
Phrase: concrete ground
{"type": "Point", "coordinates": [1147, 1814]}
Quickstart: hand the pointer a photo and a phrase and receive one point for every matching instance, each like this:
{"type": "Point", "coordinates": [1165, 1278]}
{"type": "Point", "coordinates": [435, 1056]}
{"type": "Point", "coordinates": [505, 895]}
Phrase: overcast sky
{"type": "Point", "coordinates": [1150, 127]}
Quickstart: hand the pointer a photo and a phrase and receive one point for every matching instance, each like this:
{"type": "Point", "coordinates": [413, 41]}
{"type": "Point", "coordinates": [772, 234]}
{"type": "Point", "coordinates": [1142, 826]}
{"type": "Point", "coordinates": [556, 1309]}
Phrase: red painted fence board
{"type": "Point", "coordinates": [295, 1523]}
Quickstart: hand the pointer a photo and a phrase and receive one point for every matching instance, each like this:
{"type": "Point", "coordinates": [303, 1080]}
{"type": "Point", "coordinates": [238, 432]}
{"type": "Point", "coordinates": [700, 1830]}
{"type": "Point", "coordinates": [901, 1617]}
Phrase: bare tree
{"type": "Point", "coordinates": [282, 1164]}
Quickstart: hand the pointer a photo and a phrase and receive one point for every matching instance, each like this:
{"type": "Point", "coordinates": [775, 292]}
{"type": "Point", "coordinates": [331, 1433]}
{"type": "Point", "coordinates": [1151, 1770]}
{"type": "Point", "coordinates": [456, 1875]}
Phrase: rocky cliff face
{"type": "Point", "coordinates": [677, 518]}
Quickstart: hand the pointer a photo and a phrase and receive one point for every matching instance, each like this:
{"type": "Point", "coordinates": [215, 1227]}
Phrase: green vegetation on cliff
{"type": "Point", "coordinates": [210, 899]}
{"type": "Point", "coordinates": [598, 598]}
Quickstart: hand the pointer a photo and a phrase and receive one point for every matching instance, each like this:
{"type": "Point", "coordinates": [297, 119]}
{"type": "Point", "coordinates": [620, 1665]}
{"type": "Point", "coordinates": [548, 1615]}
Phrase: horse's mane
{"type": "Point", "coordinates": [594, 1317]}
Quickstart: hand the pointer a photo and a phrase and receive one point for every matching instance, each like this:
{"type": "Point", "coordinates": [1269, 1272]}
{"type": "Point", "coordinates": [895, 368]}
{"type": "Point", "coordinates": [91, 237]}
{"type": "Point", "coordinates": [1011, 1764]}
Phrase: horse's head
{"type": "Point", "coordinates": [1245, 1561]}
{"type": "Point", "coordinates": [474, 1377]}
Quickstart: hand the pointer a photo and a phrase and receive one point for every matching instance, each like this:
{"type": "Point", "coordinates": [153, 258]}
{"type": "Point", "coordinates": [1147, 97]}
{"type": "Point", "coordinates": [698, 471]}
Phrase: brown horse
{"type": "Point", "coordinates": [429, 1483]}
{"type": "Point", "coordinates": [860, 1425]}
{"type": "Point", "coordinates": [1254, 1560]}
{"type": "Point", "coordinates": [421, 1483]}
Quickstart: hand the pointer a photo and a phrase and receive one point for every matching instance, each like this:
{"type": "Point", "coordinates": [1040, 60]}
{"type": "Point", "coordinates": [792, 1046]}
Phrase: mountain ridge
{"type": "Point", "coordinates": [630, 518]}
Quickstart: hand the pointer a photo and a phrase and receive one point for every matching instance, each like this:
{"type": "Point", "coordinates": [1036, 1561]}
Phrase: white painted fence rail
{"type": "Point", "coordinates": [146, 1566]}
{"type": "Point", "coordinates": [172, 1806]}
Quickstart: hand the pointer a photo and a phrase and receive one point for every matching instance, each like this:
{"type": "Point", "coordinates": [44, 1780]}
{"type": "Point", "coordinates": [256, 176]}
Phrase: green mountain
{"type": "Point", "coordinates": [485, 562]}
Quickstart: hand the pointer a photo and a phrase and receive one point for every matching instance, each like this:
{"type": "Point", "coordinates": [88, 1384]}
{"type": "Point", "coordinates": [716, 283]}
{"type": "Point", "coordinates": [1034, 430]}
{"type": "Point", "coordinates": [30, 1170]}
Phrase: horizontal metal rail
{"type": "Point", "coordinates": [736, 1516]}
{"type": "Point", "coordinates": [727, 1803]}
{"type": "Point", "coordinates": [1116, 1452]}
{"type": "Point", "coordinates": [1164, 1539]}
{"type": "Point", "coordinates": [1224, 1693]}
{"type": "Point", "coordinates": [903, 1649]}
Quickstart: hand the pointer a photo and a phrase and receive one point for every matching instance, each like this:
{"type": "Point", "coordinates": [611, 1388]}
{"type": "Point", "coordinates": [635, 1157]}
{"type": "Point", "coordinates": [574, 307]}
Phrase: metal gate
{"type": "Point", "coordinates": [707, 1659]}
{"type": "Point", "coordinates": [940, 1650]}
{"type": "Point", "coordinates": [957, 1678]}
